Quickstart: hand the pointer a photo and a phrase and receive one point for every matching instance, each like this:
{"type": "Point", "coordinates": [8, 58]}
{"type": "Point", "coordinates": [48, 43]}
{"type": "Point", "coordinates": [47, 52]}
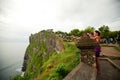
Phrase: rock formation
{"type": "Point", "coordinates": [41, 45]}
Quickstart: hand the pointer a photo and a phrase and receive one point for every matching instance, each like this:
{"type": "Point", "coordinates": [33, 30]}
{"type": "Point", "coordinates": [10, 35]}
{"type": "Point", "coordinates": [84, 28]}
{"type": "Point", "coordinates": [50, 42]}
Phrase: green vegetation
{"type": "Point", "coordinates": [104, 31]}
{"type": "Point", "coordinates": [89, 29]}
{"type": "Point", "coordinates": [106, 45]}
{"type": "Point", "coordinates": [59, 65]}
{"type": "Point", "coordinates": [117, 48]}
{"type": "Point", "coordinates": [75, 32]}
{"type": "Point", "coordinates": [78, 32]}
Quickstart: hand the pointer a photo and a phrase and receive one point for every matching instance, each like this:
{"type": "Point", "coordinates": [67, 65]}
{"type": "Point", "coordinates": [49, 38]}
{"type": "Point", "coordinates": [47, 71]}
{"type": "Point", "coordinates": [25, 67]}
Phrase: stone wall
{"type": "Point", "coordinates": [82, 72]}
{"type": "Point", "coordinates": [88, 57]}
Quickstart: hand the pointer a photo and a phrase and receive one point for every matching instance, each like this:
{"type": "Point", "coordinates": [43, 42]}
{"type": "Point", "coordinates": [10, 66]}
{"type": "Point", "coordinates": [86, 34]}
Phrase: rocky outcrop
{"type": "Point", "coordinates": [41, 45]}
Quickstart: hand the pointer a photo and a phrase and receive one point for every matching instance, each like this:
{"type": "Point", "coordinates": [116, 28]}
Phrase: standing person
{"type": "Point", "coordinates": [111, 40]}
{"type": "Point", "coordinates": [97, 50]}
{"type": "Point", "coordinates": [108, 40]}
{"type": "Point", "coordinates": [118, 39]}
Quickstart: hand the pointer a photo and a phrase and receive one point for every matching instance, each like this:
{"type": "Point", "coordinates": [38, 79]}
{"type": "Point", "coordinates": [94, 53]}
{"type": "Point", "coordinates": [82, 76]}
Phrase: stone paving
{"type": "Point", "coordinates": [116, 62]}
{"type": "Point", "coordinates": [108, 71]}
{"type": "Point", "coordinates": [111, 52]}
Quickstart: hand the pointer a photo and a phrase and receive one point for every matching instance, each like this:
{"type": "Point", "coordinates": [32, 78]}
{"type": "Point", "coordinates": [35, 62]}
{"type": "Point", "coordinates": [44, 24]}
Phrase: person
{"type": "Point", "coordinates": [111, 40]}
{"type": "Point", "coordinates": [97, 50]}
{"type": "Point", "coordinates": [107, 40]}
{"type": "Point", "coordinates": [118, 39]}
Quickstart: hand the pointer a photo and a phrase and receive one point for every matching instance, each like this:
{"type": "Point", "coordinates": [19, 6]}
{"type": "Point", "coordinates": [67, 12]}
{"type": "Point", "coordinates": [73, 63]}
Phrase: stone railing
{"type": "Point", "coordinates": [82, 72]}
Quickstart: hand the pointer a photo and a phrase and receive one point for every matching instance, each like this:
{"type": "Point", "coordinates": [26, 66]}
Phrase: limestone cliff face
{"type": "Point", "coordinates": [41, 45]}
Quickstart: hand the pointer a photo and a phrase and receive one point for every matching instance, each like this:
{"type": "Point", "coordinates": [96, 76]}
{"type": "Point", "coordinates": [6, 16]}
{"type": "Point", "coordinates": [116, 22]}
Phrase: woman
{"type": "Point", "coordinates": [97, 50]}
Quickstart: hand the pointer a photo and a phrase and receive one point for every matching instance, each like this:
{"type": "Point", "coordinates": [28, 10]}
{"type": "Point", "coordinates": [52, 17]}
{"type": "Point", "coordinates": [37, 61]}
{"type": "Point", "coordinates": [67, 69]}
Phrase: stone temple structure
{"type": "Point", "coordinates": [87, 45]}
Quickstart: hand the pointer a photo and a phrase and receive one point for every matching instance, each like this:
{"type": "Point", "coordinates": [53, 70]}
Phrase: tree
{"type": "Point", "coordinates": [104, 31]}
{"type": "Point", "coordinates": [75, 32]}
{"type": "Point", "coordinates": [60, 32]}
{"type": "Point", "coordinates": [89, 29]}
{"type": "Point", "coordinates": [113, 34]}
{"type": "Point", "coordinates": [81, 32]}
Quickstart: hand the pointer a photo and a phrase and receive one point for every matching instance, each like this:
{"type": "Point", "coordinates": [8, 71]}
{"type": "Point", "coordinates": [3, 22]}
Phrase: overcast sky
{"type": "Point", "coordinates": [20, 18]}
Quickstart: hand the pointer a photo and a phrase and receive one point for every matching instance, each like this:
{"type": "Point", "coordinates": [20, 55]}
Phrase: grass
{"type": "Point", "coordinates": [106, 45]}
{"type": "Point", "coordinates": [117, 48]}
{"type": "Point", "coordinates": [59, 65]}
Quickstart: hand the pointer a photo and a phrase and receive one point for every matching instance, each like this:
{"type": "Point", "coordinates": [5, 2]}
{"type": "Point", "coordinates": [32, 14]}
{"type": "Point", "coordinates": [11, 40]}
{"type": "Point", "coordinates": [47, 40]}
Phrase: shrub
{"type": "Point", "coordinates": [54, 76]}
{"type": "Point", "coordinates": [61, 70]}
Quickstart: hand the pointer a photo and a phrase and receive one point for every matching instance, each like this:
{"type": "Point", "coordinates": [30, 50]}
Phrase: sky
{"type": "Point", "coordinates": [20, 18]}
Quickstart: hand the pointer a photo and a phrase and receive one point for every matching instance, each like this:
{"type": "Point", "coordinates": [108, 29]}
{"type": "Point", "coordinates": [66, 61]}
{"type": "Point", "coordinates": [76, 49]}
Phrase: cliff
{"type": "Point", "coordinates": [47, 57]}
{"type": "Point", "coordinates": [41, 45]}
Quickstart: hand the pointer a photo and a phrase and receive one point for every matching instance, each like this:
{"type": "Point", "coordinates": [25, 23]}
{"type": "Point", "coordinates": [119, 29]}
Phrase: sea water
{"type": "Point", "coordinates": [11, 59]}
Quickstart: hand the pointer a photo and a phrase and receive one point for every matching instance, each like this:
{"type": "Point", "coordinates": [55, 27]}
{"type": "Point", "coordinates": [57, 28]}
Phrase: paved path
{"type": "Point", "coordinates": [108, 71]}
{"type": "Point", "coordinates": [110, 51]}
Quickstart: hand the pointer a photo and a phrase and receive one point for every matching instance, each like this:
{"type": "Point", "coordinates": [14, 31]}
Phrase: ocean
{"type": "Point", "coordinates": [11, 59]}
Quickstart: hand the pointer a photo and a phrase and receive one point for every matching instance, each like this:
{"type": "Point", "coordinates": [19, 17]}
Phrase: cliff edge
{"type": "Point", "coordinates": [41, 45]}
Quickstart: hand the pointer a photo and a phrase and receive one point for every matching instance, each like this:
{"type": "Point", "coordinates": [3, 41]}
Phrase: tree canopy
{"type": "Point", "coordinates": [89, 29]}
{"type": "Point", "coordinates": [75, 32]}
{"type": "Point", "coordinates": [104, 31]}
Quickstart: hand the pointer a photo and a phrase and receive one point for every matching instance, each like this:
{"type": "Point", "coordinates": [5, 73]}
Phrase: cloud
{"type": "Point", "coordinates": [20, 18]}
{"type": "Point", "coordinates": [93, 12]}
